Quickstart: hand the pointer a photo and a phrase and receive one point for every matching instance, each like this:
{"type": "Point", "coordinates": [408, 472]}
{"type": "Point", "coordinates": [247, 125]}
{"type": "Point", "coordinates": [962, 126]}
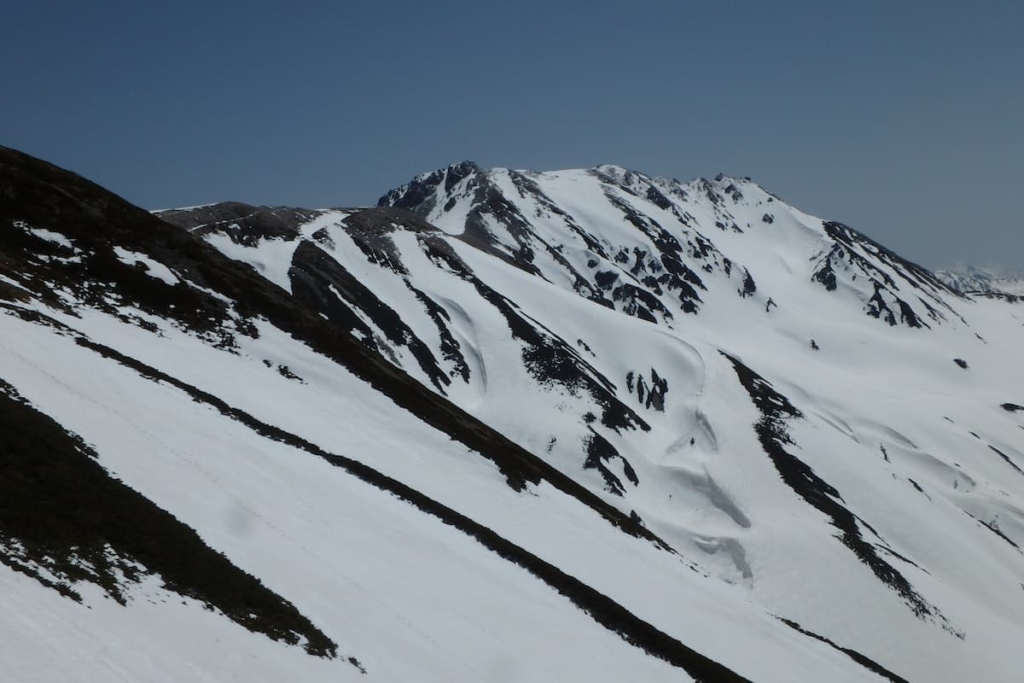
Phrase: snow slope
{"type": "Point", "coordinates": [506, 426]}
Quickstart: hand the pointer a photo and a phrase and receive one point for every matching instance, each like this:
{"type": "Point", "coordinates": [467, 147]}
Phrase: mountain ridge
{"type": "Point", "coordinates": [645, 393]}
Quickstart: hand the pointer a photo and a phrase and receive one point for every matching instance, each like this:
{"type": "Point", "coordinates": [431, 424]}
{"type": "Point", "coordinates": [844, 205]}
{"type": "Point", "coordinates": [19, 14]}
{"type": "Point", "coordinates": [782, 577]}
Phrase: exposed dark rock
{"type": "Point", "coordinates": [321, 283]}
{"type": "Point", "coordinates": [657, 198]}
{"type": "Point", "coordinates": [1005, 457]}
{"type": "Point", "coordinates": [826, 274]}
{"type": "Point", "coordinates": [93, 218]}
{"type": "Point", "coordinates": [865, 662]}
{"type": "Point", "coordinates": [749, 287]}
{"type": "Point", "coordinates": [244, 224]}
{"type": "Point", "coordinates": [599, 607]}
{"type": "Point", "coordinates": [994, 528]}
{"type": "Point", "coordinates": [773, 434]}
{"type": "Point", "coordinates": [605, 279]}
{"type": "Point", "coordinates": [652, 396]}
{"type": "Point", "coordinates": [599, 453]}
{"type": "Point", "coordinates": [546, 356]}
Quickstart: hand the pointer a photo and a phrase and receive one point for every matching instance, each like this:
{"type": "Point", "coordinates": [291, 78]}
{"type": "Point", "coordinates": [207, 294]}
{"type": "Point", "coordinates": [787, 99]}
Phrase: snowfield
{"type": "Point", "coordinates": [505, 426]}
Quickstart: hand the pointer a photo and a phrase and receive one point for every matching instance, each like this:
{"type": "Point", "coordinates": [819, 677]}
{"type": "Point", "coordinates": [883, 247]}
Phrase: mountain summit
{"type": "Point", "coordinates": [654, 247]}
{"type": "Point", "coordinates": [506, 425]}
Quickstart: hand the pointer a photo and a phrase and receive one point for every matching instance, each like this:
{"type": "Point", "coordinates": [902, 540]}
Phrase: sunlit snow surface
{"type": "Point", "coordinates": [511, 319]}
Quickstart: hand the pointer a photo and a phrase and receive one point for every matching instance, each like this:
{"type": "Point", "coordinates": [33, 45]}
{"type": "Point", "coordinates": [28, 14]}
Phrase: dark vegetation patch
{"type": "Point", "coordinates": [244, 224]}
{"type": "Point", "coordinates": [605, 611]}
{"type": "Point", "coordinates": [315, 278]}
{"type": "Point", "coordinates": [371, 230]}
{"type": "Point", "coordinates": [64, 520]}
{"type": "Point", "coordinates": [862, 660]}
{"type": "Point", "coordinates": [773, 434]}
{"type": "Point", "coordinates": [95, 221]}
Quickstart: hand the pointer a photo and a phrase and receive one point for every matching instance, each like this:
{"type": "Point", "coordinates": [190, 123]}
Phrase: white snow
{"type": "Point", "coordinates": [886, 412]}
{"type": "Point", "coordinates": [153, 267]}
{"type": "Point", "coordinates": [54, 237]}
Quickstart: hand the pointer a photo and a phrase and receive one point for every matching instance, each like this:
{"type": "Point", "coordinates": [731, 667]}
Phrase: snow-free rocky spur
{"type": "Point", "coordinates": [583, 425]}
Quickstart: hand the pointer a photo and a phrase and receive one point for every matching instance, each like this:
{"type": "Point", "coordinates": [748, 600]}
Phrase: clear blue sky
{"type": "Point", "coordinates": [902, 119]}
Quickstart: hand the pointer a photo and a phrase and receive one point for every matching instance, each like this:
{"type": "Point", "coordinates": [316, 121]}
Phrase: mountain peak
{"type": "Point", "coordinates": [591, 402]}
{"type": "Point", "coordinates": [703, 236]}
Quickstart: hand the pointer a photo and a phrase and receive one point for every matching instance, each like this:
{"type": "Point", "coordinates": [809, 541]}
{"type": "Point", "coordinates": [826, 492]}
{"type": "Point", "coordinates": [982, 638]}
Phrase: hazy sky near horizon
{"type": "Point", "coordinates": [902, 119]}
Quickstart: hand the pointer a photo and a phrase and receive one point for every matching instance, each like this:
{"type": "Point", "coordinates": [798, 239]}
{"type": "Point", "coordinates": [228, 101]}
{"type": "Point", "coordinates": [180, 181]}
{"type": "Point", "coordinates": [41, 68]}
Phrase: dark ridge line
{"type": "Point", "coordinates": [451, 349]}
{"type": "Point", "coordinates": [317, 272]}
{"type": "Point", "coordinates": [602, 609]}
{"type": "Point", "coordinates": [70, 521]}
{"type": "Point", "coordinates": [994, 529]}
{"type": "Point", "coordinates": [912, 273]}
{"type": "Point", "coordinates": [864, 661]}
{"type": "Point", "coordinates": [546, 356]}
{"type": "Point", "coordinates": [1005, 457]}
{"type": "Point", "coordinates": [918, 488]}
{"type": "Point", "coordinates": [519, 228]}
{"type": "Point", "coordinates": [887, 549]}
{"type": "Point", "coordinates": [772, 434]}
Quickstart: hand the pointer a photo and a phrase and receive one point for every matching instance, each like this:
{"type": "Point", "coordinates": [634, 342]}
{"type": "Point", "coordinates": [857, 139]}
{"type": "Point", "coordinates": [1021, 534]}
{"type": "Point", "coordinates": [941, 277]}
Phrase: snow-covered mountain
{"type": "Point", "coordinates": [578, 425]}
{"type": "Point", "coordinates": [983, 280]}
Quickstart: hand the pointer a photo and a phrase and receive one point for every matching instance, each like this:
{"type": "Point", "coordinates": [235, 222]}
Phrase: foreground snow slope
{"type": "Point", "coordinates": [448, 447]}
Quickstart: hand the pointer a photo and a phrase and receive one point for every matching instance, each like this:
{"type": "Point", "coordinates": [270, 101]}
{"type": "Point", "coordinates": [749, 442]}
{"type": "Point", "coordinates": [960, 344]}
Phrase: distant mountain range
{"type": "Point", "coordinates": [504, 426]}
{"type": "Point", "coordinates": [972, 279]}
